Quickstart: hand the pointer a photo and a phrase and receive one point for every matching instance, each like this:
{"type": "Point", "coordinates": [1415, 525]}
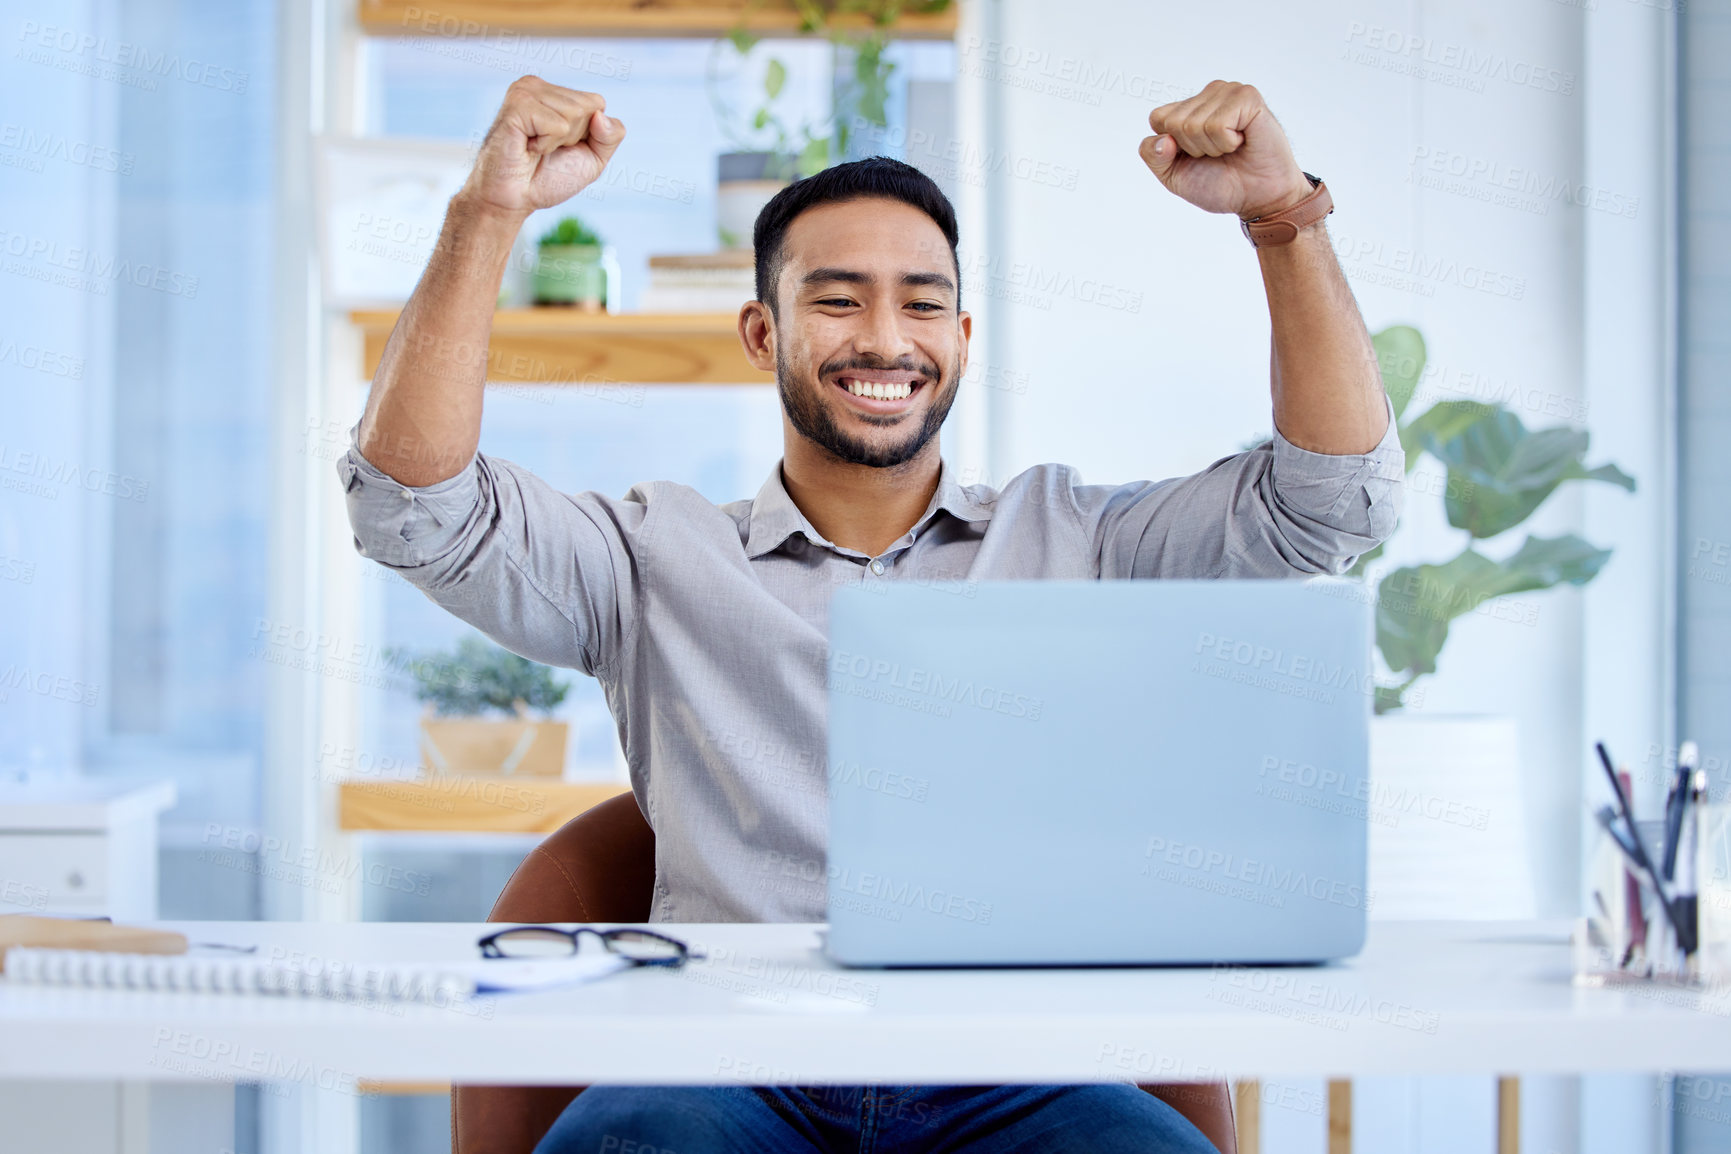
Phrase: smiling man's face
{"type": "Point", "coordinates": [870, 346]}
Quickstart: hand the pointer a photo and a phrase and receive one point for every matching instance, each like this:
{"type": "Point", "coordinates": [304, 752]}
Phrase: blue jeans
{"type": "Point", "coordinates": [1103, 1119]}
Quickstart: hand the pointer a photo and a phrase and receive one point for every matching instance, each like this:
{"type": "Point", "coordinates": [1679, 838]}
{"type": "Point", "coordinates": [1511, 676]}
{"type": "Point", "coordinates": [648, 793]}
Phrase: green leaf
{"type": "Point", "coordinates": [1542, 562]}
{"type": "Point", "coordinates": [1499, 472]}
{"type": "Point", "coordinates": [1442, 422]}
{"type": "Point", "coordinates": [1364, 560]}
{"type": "Point", "coordinates": [1400, 356]}
{"type": "Point", "coordinates": [742, 39]}
{"type": "Point", "coordinates": [480, 678]}
{"type": "Point", "coordinates": [811, 15]}
{"type": "Point", "coordinates": [1388, 697]}
{"type": "Point", "coordinates": [774, 77]}
{"type": "Point", "coordinates": [1607, 473]}
{"type": "Point", "coordinates": [814, 157]}
{"type": "Point", "coordinates": [871, 76]}
{"type": "Point", "coordinates": [761, 119]}
{"type": "Point", "coordinates": [1415, 604]}
{"type": "Point", "coordinates": [570, 230]}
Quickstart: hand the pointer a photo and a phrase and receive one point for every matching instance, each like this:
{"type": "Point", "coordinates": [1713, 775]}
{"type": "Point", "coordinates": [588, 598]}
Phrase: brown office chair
{"type": "Point", "coordinates": [600, 867]}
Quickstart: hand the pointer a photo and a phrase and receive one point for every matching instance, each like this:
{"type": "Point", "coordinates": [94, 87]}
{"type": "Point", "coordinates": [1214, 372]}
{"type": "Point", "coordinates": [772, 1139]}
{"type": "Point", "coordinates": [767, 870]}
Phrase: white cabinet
{"type": "Point", "coordinates": [81, 847]}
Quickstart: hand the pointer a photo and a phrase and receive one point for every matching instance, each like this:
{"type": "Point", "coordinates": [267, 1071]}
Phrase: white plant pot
{"type": "Point", "coordinates": [1447, 825]}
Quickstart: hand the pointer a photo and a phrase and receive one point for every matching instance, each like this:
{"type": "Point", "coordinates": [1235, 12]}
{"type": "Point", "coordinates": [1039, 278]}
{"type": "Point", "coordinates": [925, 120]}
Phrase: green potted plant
{"type": "Point", "coordinates": [480, 704]}
{"type": "Point", "coordinates": [1499, 473]}
{"type": "Point", "coordinates": [772, 152]}
{"type": "Point", "coordinates": [569, 267]}
{"type": "Point", "coordinates": [1449, 835]}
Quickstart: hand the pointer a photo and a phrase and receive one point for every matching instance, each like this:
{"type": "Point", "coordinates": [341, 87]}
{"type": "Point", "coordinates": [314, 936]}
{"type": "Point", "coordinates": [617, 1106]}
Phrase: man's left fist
{"type": "Point", "coordinates": [1222, 151]}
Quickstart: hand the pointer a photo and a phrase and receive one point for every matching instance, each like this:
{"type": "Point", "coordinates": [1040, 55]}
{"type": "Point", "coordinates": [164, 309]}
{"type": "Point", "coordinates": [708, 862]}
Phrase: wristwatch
{"type": "Point", "coordinates": [1283, 227]}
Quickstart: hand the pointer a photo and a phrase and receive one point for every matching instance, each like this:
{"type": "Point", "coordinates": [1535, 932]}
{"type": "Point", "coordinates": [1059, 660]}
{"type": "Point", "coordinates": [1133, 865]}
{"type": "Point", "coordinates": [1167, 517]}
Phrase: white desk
{"type": "Point", "coordinates": [1423, 998]}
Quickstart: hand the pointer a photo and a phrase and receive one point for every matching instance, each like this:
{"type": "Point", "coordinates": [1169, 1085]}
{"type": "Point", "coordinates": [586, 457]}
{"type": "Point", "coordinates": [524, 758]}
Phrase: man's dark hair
{"type": "Point", "coordinates": [855, 180]}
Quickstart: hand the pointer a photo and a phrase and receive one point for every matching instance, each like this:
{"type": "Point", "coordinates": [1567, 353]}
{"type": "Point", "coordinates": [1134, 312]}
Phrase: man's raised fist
{"type": "Point", "coordinates": [547, 144]}
{"type": "Point", "coordinates": [1223, 151]}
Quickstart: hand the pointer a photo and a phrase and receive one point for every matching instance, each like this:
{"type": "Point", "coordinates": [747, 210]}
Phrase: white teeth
{"type": "Point", "coordinates": [880, 390]}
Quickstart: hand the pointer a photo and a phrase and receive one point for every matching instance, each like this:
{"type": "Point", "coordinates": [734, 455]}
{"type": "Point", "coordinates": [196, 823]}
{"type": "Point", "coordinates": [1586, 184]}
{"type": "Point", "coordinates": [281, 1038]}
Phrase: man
{"type": "Point", "coordinates": [706, 625]}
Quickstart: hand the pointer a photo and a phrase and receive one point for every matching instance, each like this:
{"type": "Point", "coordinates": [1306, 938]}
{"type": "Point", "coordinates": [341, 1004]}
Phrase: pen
{"type": "Point", "coordinates": [1607, 818]}
{"type": "Point", "coordinates": [1688, 843]}
{"type": "Point", "coordinates": [1623, 809]}
{"type": "Point", "coordinates": [1688, 754]}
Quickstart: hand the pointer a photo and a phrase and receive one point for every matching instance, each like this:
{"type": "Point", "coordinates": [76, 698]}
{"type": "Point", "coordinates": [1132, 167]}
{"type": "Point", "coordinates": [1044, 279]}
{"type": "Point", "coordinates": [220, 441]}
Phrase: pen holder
{"type": "Point", "coordinates": [1713, 870]}
{"type": "Point", "coordinates": [1626, 931]}
{"type": "Point", "coordinates": [1627, 935]}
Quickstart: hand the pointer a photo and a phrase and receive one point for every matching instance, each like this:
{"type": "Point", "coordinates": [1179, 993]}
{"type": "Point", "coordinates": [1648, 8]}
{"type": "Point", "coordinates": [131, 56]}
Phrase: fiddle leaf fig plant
{"type": "Point", "coordinates": [1498, 474]}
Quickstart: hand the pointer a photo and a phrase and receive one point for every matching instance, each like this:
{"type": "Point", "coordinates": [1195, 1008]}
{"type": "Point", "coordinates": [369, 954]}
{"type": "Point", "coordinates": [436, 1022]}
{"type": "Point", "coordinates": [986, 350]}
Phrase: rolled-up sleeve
{"type": "Point", "coordinates": [548, 575]}
{"type": "Point", "coordinates": [1274, 511]}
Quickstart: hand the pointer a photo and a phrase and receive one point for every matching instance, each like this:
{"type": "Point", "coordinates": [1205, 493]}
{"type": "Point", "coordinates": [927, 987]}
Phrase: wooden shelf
{"type": "Point", "coordinates": [470, 804]}
{"type": "Point", "coordinates": [483, 20]}
{"type": "Point", "coordinates": [565, 346]}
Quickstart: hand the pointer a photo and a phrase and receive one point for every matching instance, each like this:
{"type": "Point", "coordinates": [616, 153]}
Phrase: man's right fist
{"type": "Point", "coordinates": [546, 145]}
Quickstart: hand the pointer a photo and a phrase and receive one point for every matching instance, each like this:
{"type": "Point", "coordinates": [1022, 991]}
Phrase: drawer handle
{"type": "Point", "coordinates": [75, 880]}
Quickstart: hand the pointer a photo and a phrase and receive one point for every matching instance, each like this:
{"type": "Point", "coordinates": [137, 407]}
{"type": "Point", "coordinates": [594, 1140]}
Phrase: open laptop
{"type": "Point", "coordinates": [1098, 772]}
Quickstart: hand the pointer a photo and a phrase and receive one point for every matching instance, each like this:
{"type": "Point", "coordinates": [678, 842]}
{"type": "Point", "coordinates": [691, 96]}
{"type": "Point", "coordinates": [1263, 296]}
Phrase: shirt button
{"type": "Point", "coordinates": [878, 568]}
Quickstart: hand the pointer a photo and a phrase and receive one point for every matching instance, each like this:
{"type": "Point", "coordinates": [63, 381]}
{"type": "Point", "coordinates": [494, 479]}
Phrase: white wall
{"type": "Point", "coordinates": [1172, 372]}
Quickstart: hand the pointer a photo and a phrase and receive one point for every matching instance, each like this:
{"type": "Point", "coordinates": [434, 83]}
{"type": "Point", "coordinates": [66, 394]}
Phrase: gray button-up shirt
{"type": "Point", "coordinates": [706, 624]}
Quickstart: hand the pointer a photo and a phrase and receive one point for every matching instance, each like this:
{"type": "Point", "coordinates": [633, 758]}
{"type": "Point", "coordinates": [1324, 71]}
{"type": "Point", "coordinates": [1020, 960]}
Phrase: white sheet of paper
{"type": "Point", "coordinates": [515, 975]}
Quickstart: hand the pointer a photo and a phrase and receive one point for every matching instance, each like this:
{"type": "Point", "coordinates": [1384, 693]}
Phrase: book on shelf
{"type": "Point", "coordinates": [700, 282]}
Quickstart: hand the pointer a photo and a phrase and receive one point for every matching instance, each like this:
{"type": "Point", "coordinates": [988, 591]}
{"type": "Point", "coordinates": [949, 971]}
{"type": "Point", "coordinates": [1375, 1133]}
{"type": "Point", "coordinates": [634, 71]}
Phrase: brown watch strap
{"type": "Point", "coordinates": [1283, 227]}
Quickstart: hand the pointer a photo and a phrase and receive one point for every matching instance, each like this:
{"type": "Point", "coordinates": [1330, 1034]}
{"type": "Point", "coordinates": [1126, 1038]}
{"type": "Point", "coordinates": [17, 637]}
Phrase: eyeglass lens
{"type": "Point", "coordinates": [538, 942]}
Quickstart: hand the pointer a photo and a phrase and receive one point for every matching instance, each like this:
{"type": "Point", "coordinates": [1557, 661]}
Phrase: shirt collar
{"type": "Point", "coordinates": [775, 518]}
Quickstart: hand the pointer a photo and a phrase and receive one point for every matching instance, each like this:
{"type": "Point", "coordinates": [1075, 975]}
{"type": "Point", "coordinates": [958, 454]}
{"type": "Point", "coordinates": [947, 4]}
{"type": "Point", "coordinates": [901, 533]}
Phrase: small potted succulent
{"type": "Point", "coordinates": [569, 267]}
{"type": "Point", "coordinates": [480, 718]}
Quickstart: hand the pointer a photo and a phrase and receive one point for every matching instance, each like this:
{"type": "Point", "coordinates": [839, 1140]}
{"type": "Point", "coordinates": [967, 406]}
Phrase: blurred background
{"type": "Point", "coordinates": [210, 211]}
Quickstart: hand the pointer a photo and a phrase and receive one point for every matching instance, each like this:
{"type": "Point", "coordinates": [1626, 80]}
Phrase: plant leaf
{"type": "Point", "coordinates": [1364, 559]}
{"type": "Point", "coordinates": [774, 77]}
{"type": "Point", "coordinates": [480, 677]}
{"type": "Point", "coordinates": [1415, 603]}
{"type": "Point", "coordinates": [1400, 356]}
{"type": "Point", "coordinates": [811, 15]}
{"type": "Point", "coordinates": [1442, 422]}
{"type": "Point", "coordinates": [1388, 698]}
{"type": "Point", "coordinates": [1608, 473]}
{"type": "Point", "coordinates": [1499, 472]}
{"type": "Point", "coordinates": [814, 157]}
{"type": "Point", "coordinates": [1542, 562]}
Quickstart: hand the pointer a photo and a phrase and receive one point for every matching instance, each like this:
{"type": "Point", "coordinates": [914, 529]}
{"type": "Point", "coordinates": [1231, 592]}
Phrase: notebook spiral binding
{"type": "Point", "coordinates": [90, 969]}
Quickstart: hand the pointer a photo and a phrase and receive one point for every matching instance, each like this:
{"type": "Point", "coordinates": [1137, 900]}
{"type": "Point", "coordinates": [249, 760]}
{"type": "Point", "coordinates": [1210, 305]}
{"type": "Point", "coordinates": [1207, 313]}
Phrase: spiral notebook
{"type": "Point", "coordinates": [429, 982]}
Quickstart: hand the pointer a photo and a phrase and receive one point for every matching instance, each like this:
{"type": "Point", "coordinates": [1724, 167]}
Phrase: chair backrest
{"type": "Point", "coordinates": [597, 867]}
{"type": "Point", "coordinates": [600, 867]}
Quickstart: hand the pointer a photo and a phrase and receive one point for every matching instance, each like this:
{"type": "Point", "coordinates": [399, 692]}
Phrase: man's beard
{"type": "Point", "coordinates": [811, 417]}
